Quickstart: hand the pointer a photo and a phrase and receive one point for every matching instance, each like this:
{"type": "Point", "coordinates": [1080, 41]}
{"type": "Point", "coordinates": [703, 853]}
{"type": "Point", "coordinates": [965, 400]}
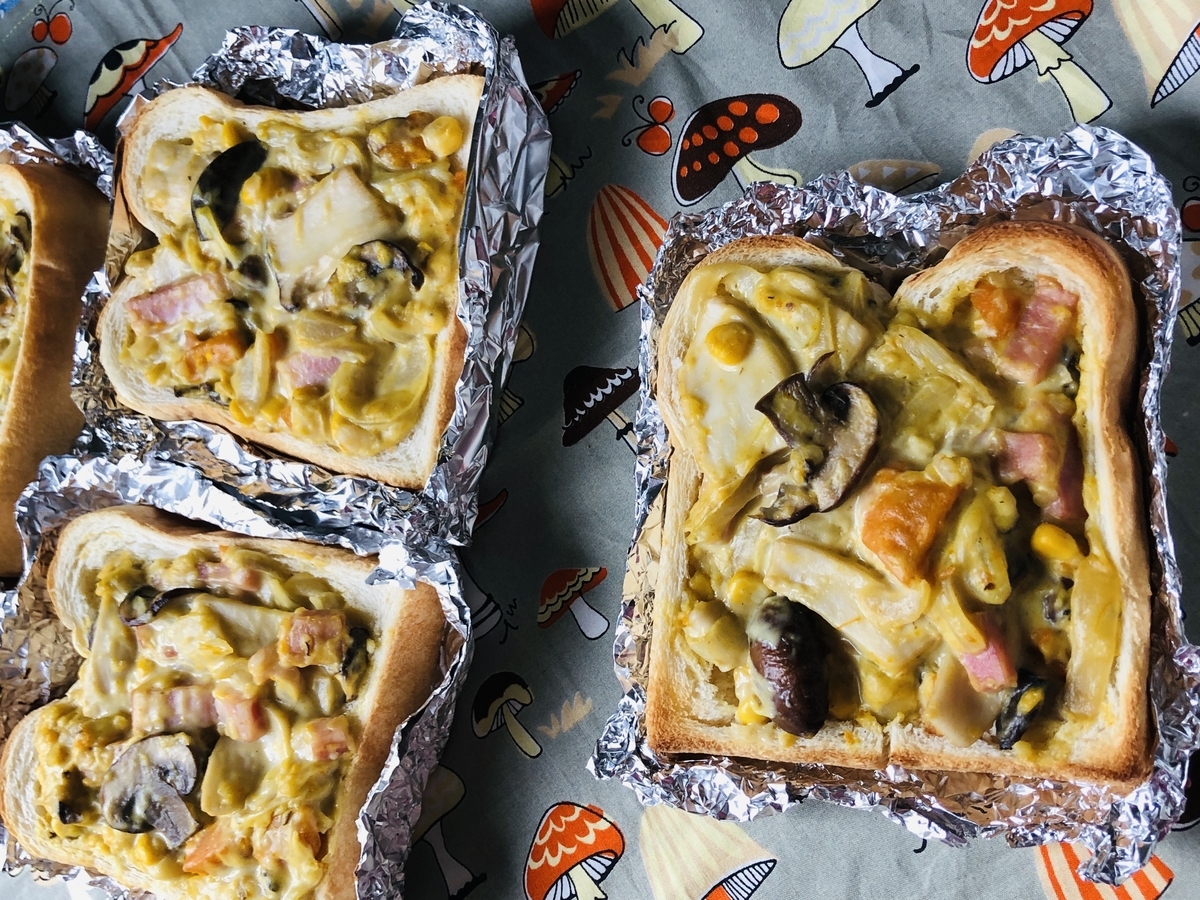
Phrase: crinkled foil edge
{"type": "Point", "coordinates": [1089, 176]}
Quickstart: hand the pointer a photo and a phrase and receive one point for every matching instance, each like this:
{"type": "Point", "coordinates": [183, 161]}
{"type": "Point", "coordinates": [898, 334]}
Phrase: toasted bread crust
{"type": "Point", "coordinates": [408, 626]}
{"type": "Point", "coordinates": [1115, 751]}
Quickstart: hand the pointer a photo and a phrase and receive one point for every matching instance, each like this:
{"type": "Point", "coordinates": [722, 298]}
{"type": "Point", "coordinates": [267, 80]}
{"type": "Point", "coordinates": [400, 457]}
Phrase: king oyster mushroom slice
{"type": "Point", "coordinates": [832, 437]}
{"type": "Point", "coordinates": [144, 789]}
{"type": "Point", "coordinates": [219, 185]}
{"type": "Point", "coordinates": [143, 604]}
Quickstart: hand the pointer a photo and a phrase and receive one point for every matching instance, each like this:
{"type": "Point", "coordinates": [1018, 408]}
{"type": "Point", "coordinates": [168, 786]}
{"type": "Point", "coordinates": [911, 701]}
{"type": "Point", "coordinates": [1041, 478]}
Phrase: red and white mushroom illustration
{"type": "Point", "coordinates": [563, 590]}
{"type": "Point", "coordinates": [497, 702]}
{"type": "Point", "coordinates": [809, 28]}
{"type": "Point", "coordinates": [591, 395]}
{"type": "Point", "coordinates": [120, 71]}
{"type": "Point", "coordinates": [574, 849]}
{"type": "Point", "coordinates": [693, 856]}
{"type": "Point", "coordinates": [1057, 866]}
{"type": "Point", "coordinates": [443, 792]}
{"type": "Point", "coordinates": [524, 348]}
{"type": "Point", "coordinates": [553, 91]}
{"type": "Point", "coordinates": [1010, 34]}
{"type": "Point", "coordinates": [27, 81]}
{"type": "Point", "coordinates": [559, 17]}
{"type": "Point", "coordinates": [718, 138]}
{"type": "Point", "coordinates": [1166, 37]}
{"type": "Point", "coordinates": [623, 236]}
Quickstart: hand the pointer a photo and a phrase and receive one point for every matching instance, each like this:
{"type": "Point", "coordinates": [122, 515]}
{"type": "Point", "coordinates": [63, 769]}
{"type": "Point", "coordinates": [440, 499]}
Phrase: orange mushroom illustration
{"type": "Point", "coordinates": [553, 91]}
{"type": "Point", "coordinates": [120, 71]}
{"type": "Point", "coordinates": [1166, 38]}
{"type": "Point", "coordinates": [719, 136]}
{"type": "Point", "coordinates": [497, 702]}
{"type": "Point", "coordinates": [591, 395]}
{"type": "Point", "coordinates": [623, 236]}
{"type": "Point", "coordinates": [809, 28]}
{"type": "Point", "coordinates": [694, 857]}
{"type": "Point", "coordinates": [1056, 865]}
{"type": "Point", "coordinates": [574, 849]}
{"type": "Point", "coordinates": [27, 81]}
{"type": "Point", "coordinates": [525, 347]}
{"type": "Point", "coordinates": [559, 17]}
{"type": "Point", "coordinates": [893, 175]}
{"type": "Point", "coordinates": [563, 590]}
{"type": "Point", "coordinates": [443, 792]}
{"type": "Point", "coordinates": [1010, 34]}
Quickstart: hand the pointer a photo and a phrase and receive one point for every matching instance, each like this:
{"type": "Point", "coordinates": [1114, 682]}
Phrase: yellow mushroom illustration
{"type": "Point", "coordinates": [693, 857]}
{"type": "Point", "coordinates": [1165, 35]}
{"type": "Point", "coordinates": [986, 141]}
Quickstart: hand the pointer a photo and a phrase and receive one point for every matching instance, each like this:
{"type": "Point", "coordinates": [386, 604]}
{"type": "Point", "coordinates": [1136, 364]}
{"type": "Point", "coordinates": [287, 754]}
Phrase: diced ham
{"type": "Point", "coordinates": [265, 666]}
{"type": "Point", "coordinates": [186, 708]}
{"type": "Point", "coordinates": [991, 669]}
{"type": "Point", "coordinates": [904, 512]}
{"type": "Point", "coordinates": [276, 847]}
{"type": "Point", "coordinates": [1067, 505]}
{"type": "Point", "coordinates": [176, 302]}
{"type": "Point", "coordinates": [1053, 472]}
{"type": "Point", "coordinates": [1045, 323]}
{"type": "Point", "coordinates": [234, 580]}
{"type": "Point", "coordinates": [304, 370]}
{"type": "Point", "coordinates": [313, 637]}
{"type": "Point", "coordinates": [239, 717]}
{"type": "Point", "coordinates": [322, 740]}
{"type": "Point", "coordinates": [209, 358]}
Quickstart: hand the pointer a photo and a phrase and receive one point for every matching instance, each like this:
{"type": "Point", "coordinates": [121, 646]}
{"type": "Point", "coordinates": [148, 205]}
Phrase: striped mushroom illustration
{"type": "Point", "coordinates": [1010, 35]}
{"type": "Point", "coordinates": [1166, 37]}
{"type": "Point", "coordinates": [692, 856]}
{"type": "Point", "coordinates": [559, 17]}
{"type": "Point", "coordinates": [810, 28]}
{"type": "Point", "coordinates": [497, 702]}
{"type": "Point", "coordinates": [623, 236]}
{"type": "Point", "coordinates": [574, 849]}
{"type": "Point", "coordinates": [563, 590]}
{"type": "Point", "coordinates": [443, 792]}
{"type": "Point", "coordinates": [485, 611]}
{"type": "Point", "coordinates": [1057, 864]}
{"type": "Point", "coordinates": [591, 395]}
{"type": "Point", "coordinates": [27, 81]}
{"type": "Point", "coordinates": [718, 138]}
{"type": "Point", "coordinates": [553, 91]}
{"type": "Point", "coordinates": [120, 71]}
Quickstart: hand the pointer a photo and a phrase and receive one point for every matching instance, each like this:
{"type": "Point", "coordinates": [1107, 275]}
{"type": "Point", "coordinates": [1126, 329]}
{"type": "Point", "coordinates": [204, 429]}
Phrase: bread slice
{"type": "Point", "coordinates": [695, 707]}
{"type": "Point", "coordinates": [177, 114]}
{"type": "Point", "coordinates": [68, 224]}
{"type": "Point", "coordinates": [405, 626]}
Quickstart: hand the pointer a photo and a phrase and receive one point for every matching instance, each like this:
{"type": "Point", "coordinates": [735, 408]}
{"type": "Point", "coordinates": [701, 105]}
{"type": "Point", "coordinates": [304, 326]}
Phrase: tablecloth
{"type": "Point", "coordinates": [903, 93]}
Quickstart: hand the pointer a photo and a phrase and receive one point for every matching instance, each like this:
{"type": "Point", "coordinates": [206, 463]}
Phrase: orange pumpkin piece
{"type": "Point", "coordinates": [213, 356]}
{"type": "Point", "coordinates": [999, 308]}
{"type": "Point", "coordinates": [904, 514]}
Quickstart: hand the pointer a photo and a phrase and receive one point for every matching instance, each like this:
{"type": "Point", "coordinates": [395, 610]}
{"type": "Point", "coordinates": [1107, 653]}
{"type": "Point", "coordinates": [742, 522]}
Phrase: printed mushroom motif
{"type": "Point", "coordinates": [553, 91]}
{"type": "Point", "coordinates": [497, 702]}
{"type": "Point", "coordinates": [986, 141]}
{"type": "Point", "coordinates": [574, 849]}
{"type": "Point", "coordinates": [119, 72]}
{"type": "Point", "coordinates": [893, 175]}
{"type": "Point", "coordinates": [1010, 34]}
{"type": "Point", "coordinates": [809, 28]}
{"type": "Point", "coordinates": [1057, 866]}
{"type": "Point", "coordinates": [485, 611]}
{"type": "Point", "coordinates": [688, 855]}
{"type": "Point", "coordinates": [563, 589]}
{"type": "Point", "coordinates": [524, 348]}
{"type": "Point", "coordinates": [719, 137]}
{"type": "Point", "coordinates": [1166, 37]}
{"type": "Point", "coordinates": [489, 508]}
{"type": "Point", "coordinates": [623, 236]}
{"type": "Point", "coordinates": [443, 792]}
{"type": "Point", "coordinates": [27, 81]}
{"type": "Point", "coordinates": [559, 17]}
{"type": "Point", "coordinates": [562, 172]}
{"type": "Point", "coordinates": [591, 395]}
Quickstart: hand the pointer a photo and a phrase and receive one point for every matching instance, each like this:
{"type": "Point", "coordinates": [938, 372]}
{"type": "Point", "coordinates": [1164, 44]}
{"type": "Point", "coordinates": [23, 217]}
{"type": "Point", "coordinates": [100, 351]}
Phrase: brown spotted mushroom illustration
{"type": "Point", "coordinates": [1010, 34]}
{"type": "Point", "coordinates": [559, 17]}
{"type": "Point", "coordinates": [563, 590]}
{"type": "Point", "coordinates": [574, 849]}
{"type": "Point", "coordinates": [443, 792]}
{"type": "Point", "coordinates": [27, 81]}
{"type": "Point", "coordinates": [718, 138]}
{"type": "Point", "coordinates": [497, 702]}
{"type": "Point", "coordinates": [591, 395]}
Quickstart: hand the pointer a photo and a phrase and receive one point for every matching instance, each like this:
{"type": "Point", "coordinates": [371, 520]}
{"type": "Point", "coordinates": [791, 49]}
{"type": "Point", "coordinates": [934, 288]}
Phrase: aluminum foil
{"type": "Point", "coordinates": [81, 152]}
{"type": "Point", "coordinates": [1092, 177]}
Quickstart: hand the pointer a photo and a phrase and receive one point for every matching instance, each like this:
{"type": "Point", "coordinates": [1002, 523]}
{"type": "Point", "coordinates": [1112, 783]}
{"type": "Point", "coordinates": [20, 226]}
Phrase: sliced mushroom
{"type": "Point", "coordinates": [1024, 703]}
{"type": "Point", "coordinates": [143, 604]}
{"type": "Point", "coordinates": [354, 663]}
{"type": "Point", "coordinates": [786, 650]}
{"type": "Point", "coordinates": [219, 185]}
{"type": "Point", "coordinates": [832, 438]}
{"type": "Point", "coordinates": [358, 275]}
{"type": "Point", "coordinates": [144, 789]}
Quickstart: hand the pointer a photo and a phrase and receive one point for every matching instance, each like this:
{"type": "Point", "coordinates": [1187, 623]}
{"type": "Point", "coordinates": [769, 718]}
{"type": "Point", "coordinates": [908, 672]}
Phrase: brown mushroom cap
{"type": "Point", "coordinates": [720, 133]}
{"type": "Point", "coordinates": [590, 394]}
{"type": "Point", "coordinates": [570, 835]}
{"type": "Point", "coordinates": [996, 51]}
{"type": "Point", "coordinates": [497, 690]}
{"type": "Point", "coordinates": [562, 588]}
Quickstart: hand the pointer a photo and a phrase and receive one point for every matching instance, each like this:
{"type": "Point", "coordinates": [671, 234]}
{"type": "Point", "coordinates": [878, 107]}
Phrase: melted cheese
{"type": "Point", "coordinates": [15, 239]}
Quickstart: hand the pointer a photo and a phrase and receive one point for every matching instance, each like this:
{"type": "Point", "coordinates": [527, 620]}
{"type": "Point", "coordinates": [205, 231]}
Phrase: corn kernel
{"type": "Point", "coordinates": [443, 135]}
{"type": "Point", "coordinates": [729, 343]}
{"type": "Point", "coordinates": [1053, 544]}
{"type": "Point", "coordinates": [748, 714]}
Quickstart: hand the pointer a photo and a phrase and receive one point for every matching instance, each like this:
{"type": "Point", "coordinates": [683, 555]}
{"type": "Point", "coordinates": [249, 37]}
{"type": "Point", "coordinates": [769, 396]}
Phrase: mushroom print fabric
{"type": "Point", "coordinates": [1056, 869]}
{"type": "Point", "coordinates": [658, 109]}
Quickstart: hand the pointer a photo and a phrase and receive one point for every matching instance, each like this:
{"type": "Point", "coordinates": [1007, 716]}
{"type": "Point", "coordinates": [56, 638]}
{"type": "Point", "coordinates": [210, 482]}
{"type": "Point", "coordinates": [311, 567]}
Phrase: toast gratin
{"type": "Point", "coordinates": [236, 702]}
{"type": "Point", "coordinates": [303, 288]}
{"type": "Point", "coordinates": [905, 530]}
{"type": "Point", "coordinates": [52, 231]}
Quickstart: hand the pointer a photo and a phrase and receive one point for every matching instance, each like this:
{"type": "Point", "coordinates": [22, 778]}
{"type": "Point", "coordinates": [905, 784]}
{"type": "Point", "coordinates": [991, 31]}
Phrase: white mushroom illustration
{"type": "Point", "coordinates": [27, 81]}
{"type": "Point", "coordinates": [485, 611]}
{"type": "Point", "coordinates": [497, 702]}
{"type": "Point", "coordinates": [443, 792]}
{"type": "Point", "coordinates": [525, 347]}
{"type": "Point", "coordinates": [693, 856]}
{"type": "Point", "coordinates": [559, 17]}
{"type": "Point", "coordinates": [1166, 36]}
{"type": "Point", "coordinates": [893, 175]}
{"type": "Point", "coordinates": [809, 28]}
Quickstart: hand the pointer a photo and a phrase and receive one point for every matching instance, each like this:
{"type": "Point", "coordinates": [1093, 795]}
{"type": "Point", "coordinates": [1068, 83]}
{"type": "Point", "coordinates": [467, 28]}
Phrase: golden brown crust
{"type": "Point", "coordinates": [69, 223]}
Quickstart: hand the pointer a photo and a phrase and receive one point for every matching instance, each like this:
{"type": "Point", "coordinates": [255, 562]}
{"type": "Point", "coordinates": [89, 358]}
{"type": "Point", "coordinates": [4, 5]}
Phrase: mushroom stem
{"type": "Point", "coordinates": [486, 616]}
{"type": "Point", "coordinates": [325, 18]}
{"type": "Point", "coordinates": [682, 30]}
{"type": "Point", "coordinates": [585, 887]}
{"type": "Point", "coordinates": [883, 76]}
{"type": "Point", "coordinates": [1086, 98]}
{"type": "Point", "coordinates": [590, 622]}
{"type": "Point", "coordinates": [459, 879]}
{"type": "Point", "coordinates": [747, 171]}
{"type": "Point", "coordinates": [509, 404]}
{"type": "Point", "coordinates": [523, 739]}
{"type": "Point", "coordinates": [624, 430]}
